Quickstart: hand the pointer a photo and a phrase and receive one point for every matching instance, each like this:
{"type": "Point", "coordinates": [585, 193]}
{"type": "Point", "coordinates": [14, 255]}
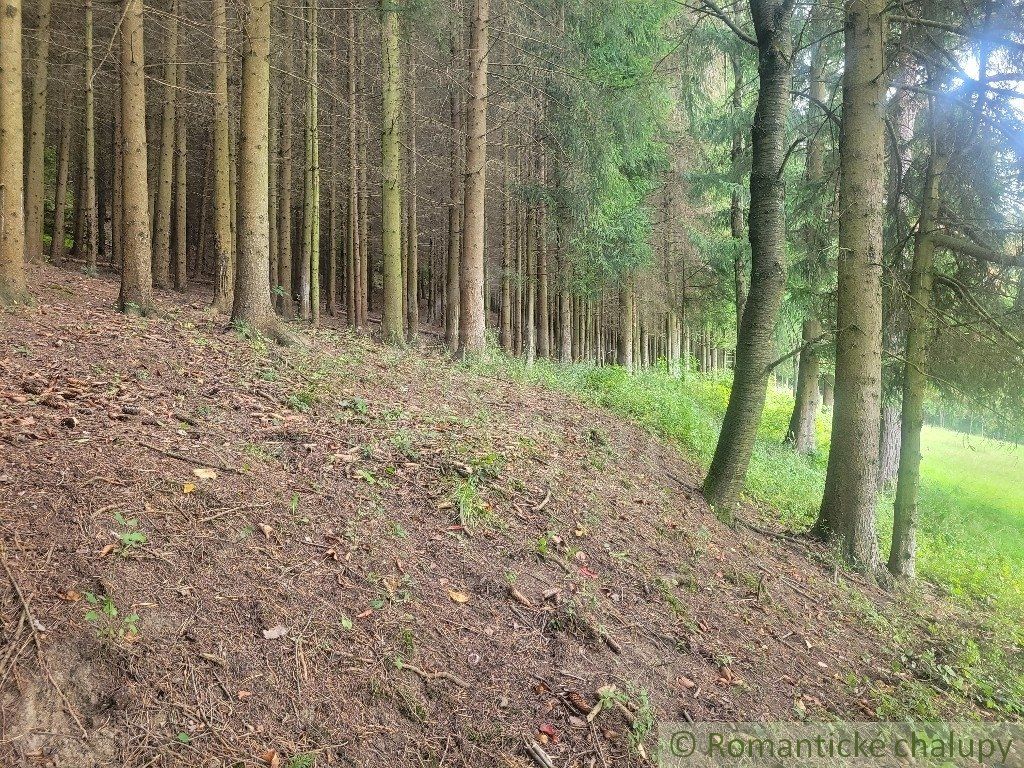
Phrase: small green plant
{"type": "Point", "coordinates": [108, 621]}
{"type": "Point", "coordinates": [474, 513]}
{"type": "Point", "coordinates": [131, 538]}
{"type": "Point", "coordinates": [302, 760]}
{"type": "Point", "coordinates": [403, 442]}
{"type": "Point", "coordinates": [302, 400]}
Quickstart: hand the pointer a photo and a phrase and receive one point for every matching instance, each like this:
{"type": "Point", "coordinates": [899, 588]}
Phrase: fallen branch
{"type": "Point", "coordinates": [442, 675]}
{"type": "Point", "coordinates": [190, 460]}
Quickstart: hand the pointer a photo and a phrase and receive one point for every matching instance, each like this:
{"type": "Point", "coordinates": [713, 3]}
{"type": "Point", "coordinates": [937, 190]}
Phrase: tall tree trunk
{"type": "Point", "coordinates": [117, 204]}
{"type": "Point", "coordinates": [35, 193]}
{"type": "Point", "coordinates": [223, 246]}
{"type": "Point", "coordinates": [252, 305]}
{"type": "Point", "coordinates": [801, 433]}
{"type": "Point", "coordinates": [60, 195]}
{"type": "Point", "coordinates": [90, 216]}
{"type": "Point", "coordinates": [452, 301]}
{"type": "Point", "coordinates": [165, 175]}
{"type": "Point", "coordinates": [505, 324]}
{"type": "Point", "coordinates": [473, 313]}
{"type": "Point", "coordinates": [136, 279]}
{"type": "Point", "coordinates": [180, 186]}
{"type": "Point", "coordinates": [352, 250]}
{"type": "Point", "coordinates": [309, 280]}
{"type": "Point", "coordinates": [333, 261]}
{"type": "Point", "coordinates": [274, 150]}
{"type": "Point", "coordinates": [412, 230]}
{"type": "Point", "coordinates": [12, 160]}
{"type": "Point", "coordinates": [392, 329]}
{"type": "Point", "coordinates": [625, 348]}
{"type": "Point", "coordinates": [851, 484]}
{"type": "Point", "coordinates": [736, 208]}
{"type": "Point", "coordinates": [889, 439]}
{"type": "Point", "coordinates": [903, 554]}
{"type": "Point", "coordinates": [286, 299]}
{"type": "Point", "coordinates": [767, 228]}
{"type": "Point", "coordinates": [529, 277]}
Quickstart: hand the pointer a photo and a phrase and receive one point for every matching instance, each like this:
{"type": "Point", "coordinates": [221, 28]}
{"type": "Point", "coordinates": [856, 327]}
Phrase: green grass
{"type": "Point", "coordinates": [972, 517]}
{"type": "Point", "coordinates": [972, 502]}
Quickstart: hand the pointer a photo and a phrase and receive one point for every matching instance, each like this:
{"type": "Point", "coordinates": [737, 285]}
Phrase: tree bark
{"type": "Point", "coordinates": [412, 231]}
{"type": "Point", "coordinates": [473, 312]}
{"type": "Point", "coordinates": [60, 194]}
{"type": "Point", "coordinates": [180, 186]}
{"type": "Point", "coordinates": [903, 553]}
{"type": "Point", "coordinates": [352, 250]}
{"type": "Point", "coordinates": [223, 246]}
{"type": "Point", "coordinates": [286, 298]}
{"type": "Point", "coordinates": [252, 306]}
{"type": "Point", "coordinates": [136, 278]}
{"type": "Point", "coordinates": [392, 319]}
{"type": "Point", "coordinates": [165, 172]}
{"type": "Point", "coordinates": [625, 348]}
{"type": "Point", "coordinates": [452, 300]}
{"type": "Point", "coordinates": [90, 216]}
{"type": "Point", "coordinates": [767, 232]}
{"type": "Point", "coordinates": [801, 433]}
{"type": "Point", "coordinates": [309, 274]}
{"type": "Point", "coordinates": [35, 193]}
{"type": "Point", "coordinates": [851, 484]}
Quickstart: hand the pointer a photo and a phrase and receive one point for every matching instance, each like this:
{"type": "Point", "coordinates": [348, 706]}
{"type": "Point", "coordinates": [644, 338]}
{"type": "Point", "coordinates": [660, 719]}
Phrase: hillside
{"type": "Point", "coordinates": [220, 552]}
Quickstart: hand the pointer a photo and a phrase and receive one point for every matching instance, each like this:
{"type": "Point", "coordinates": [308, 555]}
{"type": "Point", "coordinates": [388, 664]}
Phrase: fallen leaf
{"type": "Point", "coordinates": [243, 695]}
{"type": "Point", "coordinates": [188, 488]}
{"type": "Point", "coordinates": [107, 550]}
{"type": "Point", "coordinates": [205, 473]}
{"type": "Point", "coordinates": [275, 633]}
{"type": "Point", "coordinates": [271, 758]}
{"type": "Point", "coordinates": [458, 597]}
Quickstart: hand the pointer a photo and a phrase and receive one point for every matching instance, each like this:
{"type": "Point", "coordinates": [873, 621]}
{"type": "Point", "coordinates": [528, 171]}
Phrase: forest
{"type": "Point", "coordinates": [554, 320]}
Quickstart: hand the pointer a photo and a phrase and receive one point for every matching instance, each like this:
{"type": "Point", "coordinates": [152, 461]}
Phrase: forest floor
{"type": "Point", "coordinates": [220, 552]}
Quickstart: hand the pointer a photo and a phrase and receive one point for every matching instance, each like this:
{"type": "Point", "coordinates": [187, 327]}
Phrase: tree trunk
{"type": "Point", "coordinates": [801, 433]}
{"type": "Point", "coordinates": [412, 232]}
{"type": "Point", "coordinates": [252, 305]}
{"type": "Point", "coordinates": [625, 348]}
{"type": "Point", "coordinates": [60, 195]}
{"type": "Point", "coordinates": [274, 151]}
{"type": "Point", "coordinates": [309, 274]}
{"type": "Point", "coordinates": [889, 440]}
{"type": "Point", "coordinates": [165, 175]}
{"type": "Point", "coordinates": [352, 271]}
{"type": "Point", "coordinates": [851, 484]}
{"type": "Point", "coordinates": [452, 301]}
{"type": "Point", "coordinates": [90, 216]}
{"type": "Point", "coordinates": [392, 325]}
{"type": "Point", "coordinates": [767, 232]}
{"type": "Point", "coordinates": [286, 299]}
{"type": "Point", "coordinates": [902, 555]}
{"type": "Point", "coordinates": [473, 313]}
{"type": "Point", "coordinates": [35, 193]}
{"type": "Point", "coordinates": [136, 280]}
{"type": "Point", "coordinates": [180, 186]}
{"type": "Point", "coordinates": [223, 246]}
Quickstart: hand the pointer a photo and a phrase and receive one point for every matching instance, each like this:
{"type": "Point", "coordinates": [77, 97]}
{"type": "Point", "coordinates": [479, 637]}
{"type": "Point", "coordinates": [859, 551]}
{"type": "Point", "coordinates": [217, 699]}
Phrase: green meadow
{"type": "Point", "coordinates": [971, 537]}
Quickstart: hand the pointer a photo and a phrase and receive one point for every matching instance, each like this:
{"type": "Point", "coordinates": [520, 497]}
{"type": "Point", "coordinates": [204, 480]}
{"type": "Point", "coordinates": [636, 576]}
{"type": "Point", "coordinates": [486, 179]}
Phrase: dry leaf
{"type": "Point", "coordinates": [275, 633]}
{"type": "Point", "coordinates": [205, 473]}
{"type": "Point", "coordinates": [107, 550]}
{"type": "Point", "coordinates": [188, 488]}
{"type": "Point", "coordinates": [458, 597]}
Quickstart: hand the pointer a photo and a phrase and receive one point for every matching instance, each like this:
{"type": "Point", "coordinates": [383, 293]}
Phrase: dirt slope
{"type": "Point", "coordinates": [342, 474]}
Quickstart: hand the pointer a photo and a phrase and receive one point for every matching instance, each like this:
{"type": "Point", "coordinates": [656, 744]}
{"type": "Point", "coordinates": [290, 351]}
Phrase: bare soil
{"type": "Point", "coordinates": [342, 554]}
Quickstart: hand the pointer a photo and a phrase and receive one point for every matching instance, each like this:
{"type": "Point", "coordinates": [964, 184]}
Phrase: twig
{"type": "Point", "coordinates": [189, 460]}
{"type": "Point", "coordinates": [442, 675]}
{"type": "Point", "coordinates": [38, 643]}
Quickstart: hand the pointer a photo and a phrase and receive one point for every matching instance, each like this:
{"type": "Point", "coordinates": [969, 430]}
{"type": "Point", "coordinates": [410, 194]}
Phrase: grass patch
{"type": "Point", "coordinates": [971, 537]}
